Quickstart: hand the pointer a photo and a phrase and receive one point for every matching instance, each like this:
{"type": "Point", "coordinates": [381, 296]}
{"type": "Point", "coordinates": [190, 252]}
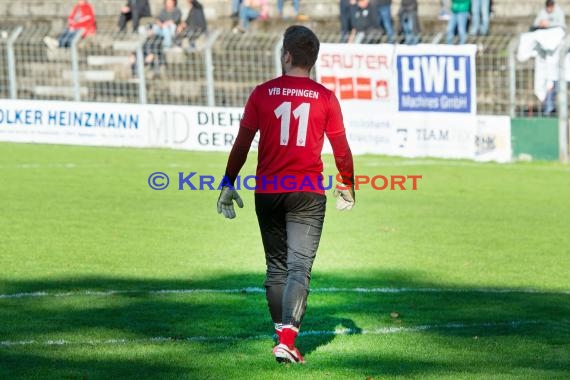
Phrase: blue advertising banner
{"type": "Point", "coordinates": [436, 78]}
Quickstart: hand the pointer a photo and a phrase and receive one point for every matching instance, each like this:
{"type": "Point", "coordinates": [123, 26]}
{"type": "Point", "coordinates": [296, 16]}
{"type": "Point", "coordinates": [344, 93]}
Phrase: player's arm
{"type": "Point", "coordinates": [236, 160]}
{"type": "Point", "coordinates": [238, 154]}
{"type": "Point", "coordinates": [342, 155]}
{"type": "Point", "coordinates": [343, 159]}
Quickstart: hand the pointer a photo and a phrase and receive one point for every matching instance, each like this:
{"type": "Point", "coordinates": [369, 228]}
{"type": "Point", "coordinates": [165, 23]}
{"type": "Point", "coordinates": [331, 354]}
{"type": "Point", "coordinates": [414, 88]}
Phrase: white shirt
{"type": "Point", "coordinates": [555, 18]}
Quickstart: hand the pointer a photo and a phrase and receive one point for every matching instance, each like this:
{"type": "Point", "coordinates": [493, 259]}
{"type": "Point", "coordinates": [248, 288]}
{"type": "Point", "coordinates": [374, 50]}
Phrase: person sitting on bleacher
{"type": "Point", "coordinates": [81, 18]}
{"type": "Point", "coordinates": [160, 35]}
{"type": "Point", "coordinates": [195, 24]}
{"type": "Point", "coordinates": [249, 11]}
{"type": "Point", "coordinates": [134, 10]}
{"type": "Point", "coordinates": [167, 22]}
{"type": "Point", "coordinates": [550, 16]}
{"type": "Point", "coordinates": [298, 16]}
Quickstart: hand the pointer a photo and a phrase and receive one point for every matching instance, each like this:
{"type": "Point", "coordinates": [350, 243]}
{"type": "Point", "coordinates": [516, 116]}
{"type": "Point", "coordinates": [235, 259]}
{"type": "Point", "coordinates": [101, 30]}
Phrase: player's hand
{"type": "Point", "coordinates": [345, 198]}
{"type": "Point", "coordinates": [226, 202]}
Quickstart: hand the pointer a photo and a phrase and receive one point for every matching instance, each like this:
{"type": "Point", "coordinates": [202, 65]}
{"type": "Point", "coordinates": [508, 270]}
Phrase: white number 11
{"type": "Point", "coordinates": [283, 112]}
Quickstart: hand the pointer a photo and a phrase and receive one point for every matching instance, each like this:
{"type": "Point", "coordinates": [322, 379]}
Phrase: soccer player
{"type": "Point", "coordinates": [292, 114]}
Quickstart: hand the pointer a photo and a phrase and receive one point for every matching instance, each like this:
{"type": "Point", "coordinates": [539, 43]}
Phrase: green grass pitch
{"type": "Point", "coordinates": [471, 273]}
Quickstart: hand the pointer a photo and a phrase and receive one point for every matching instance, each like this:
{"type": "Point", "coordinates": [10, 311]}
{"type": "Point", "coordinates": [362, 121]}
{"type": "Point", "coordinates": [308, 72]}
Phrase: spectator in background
{"type": "Point", "coordinates": [160, 36]}
{"type": "Point", "coordinates": [251, 10]}
{"type": "Point", "coordinates": [235, 8]}
{"type": "Point", "coordinates": [153, 53]}
{"type": "Point", "coordinates": [81, 18]}
{"type": "Point", "coordinates": [549, 17]}
{"type": "Point", "coordinates": [384, 17]}
{"type": "Point", "coordinates": [444, 13]}
{"type": "Point", "coordinates": [458, 20]}
{"type": "Point", "coordinates": [167, 22]}
{"type": "Point", "coordinates": [363, 21]}
{"type": "Point", "coordinates": [549, 105]}
{"type": "Point", "coordinates": [280, 5]}
{"type": "Point", "coordinates": [195, 24]}
{"type": "Point", "coordinates": [480, 12]}
{"type": "Point", "coordinates": [133, 10]}
{"type": "Point", "coordinates": [409, 22]}
{"type": "Point", "coordinates": [345, 14]}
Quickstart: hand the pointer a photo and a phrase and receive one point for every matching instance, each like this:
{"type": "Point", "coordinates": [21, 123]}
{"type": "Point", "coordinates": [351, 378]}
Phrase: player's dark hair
{"type": "Point", "coordinates": [302, 44]}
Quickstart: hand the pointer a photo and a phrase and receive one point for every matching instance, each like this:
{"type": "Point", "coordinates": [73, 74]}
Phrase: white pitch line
{"type": "Point", "coordinates": [364, 161]}
{"type": "Point", "coordinates": [337, 332]}
{"type": "Point", "coordinates": [373, 162]}
{"type": "Point", "coordinates": [439, 290]}
{"type": "Point", "coordinates": [104, 293]}
{"type": "Point", "coordinates": [41, 166]}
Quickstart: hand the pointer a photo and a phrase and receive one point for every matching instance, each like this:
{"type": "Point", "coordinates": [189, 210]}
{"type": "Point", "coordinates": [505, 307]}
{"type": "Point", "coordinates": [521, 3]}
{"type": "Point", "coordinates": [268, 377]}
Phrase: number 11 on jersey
{"type": "Point", "coordinates": [283, 112]}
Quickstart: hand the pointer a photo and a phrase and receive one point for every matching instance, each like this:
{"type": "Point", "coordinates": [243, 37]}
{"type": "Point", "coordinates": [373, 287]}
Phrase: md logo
{"type": "Point", "coordinates": [434, 83]}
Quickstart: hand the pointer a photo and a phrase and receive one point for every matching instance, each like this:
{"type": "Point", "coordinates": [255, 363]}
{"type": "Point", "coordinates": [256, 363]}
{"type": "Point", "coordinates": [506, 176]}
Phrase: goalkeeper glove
{"type": "Point", "coordinates": [226, 202]}
{"type": "Point", "coordinates": [344, 197]}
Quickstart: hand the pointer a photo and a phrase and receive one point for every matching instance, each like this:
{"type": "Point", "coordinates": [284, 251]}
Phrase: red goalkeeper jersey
{"type": "Point", "coordinates": [292, 114]}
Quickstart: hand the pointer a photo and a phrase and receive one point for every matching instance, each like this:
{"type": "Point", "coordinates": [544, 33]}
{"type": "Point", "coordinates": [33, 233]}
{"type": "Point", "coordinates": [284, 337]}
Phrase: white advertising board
{"type": "Point", "coordinates": [131, 125]}
{"type": "Point", "coordinates": [493, 139]}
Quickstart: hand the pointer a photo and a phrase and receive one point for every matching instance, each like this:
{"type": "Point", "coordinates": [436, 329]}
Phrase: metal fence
{"type": "Point", "coordinates": [219, 69]}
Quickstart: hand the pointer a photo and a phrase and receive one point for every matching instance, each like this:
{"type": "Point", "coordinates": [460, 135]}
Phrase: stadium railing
{"type": "Point", "coordinates": [218, 69]}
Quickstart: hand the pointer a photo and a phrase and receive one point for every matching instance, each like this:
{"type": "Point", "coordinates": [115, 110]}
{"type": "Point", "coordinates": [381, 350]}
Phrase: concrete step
{"type": "Point", "coordinates": [44, 70]}
{"type": "Point", "coordinates": [126, 45]}
{"type": "Point", "coordinates": [189, 89]}
{"type": "Point", "coordinates": [58, 91]}
{"type": "Point", "coordinates": [58, 55]}
{"type": "Point", "coordinates": [91, 75]}
{"type": "Point", "coordinates": [102, 60]}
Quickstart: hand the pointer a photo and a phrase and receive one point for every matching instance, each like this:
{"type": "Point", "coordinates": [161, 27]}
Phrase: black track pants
{"type": "Point", "coordinates": [291, 225]}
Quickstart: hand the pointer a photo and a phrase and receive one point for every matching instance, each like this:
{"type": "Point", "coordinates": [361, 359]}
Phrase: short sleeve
{"type": "Point", "coordinates": [335, 124]}
{"type": "Point", "coordinates": [250, 118]}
